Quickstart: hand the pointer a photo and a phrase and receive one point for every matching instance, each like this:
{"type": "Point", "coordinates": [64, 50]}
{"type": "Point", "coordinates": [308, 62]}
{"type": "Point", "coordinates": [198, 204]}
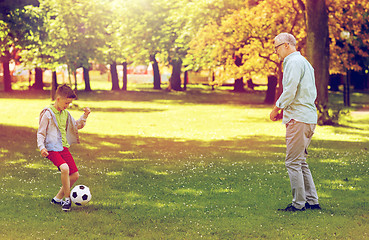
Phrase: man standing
{"type": "Point", "coordinates": [300, 116]}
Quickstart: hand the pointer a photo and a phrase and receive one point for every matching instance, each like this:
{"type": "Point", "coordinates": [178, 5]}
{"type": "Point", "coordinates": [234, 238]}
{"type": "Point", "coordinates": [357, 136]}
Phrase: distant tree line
{"type": "Point", "coordinates": [231, 39]}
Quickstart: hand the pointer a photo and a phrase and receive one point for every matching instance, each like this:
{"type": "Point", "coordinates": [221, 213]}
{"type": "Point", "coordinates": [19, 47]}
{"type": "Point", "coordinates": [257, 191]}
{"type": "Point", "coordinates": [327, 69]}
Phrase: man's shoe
{"type": "Point", "coordinates": [66, 206]}
{"type": "Point", "coordinates": [314, 206]}
{"type": "Point", "coordinates": [56, 203]}
{"type": "Point", "coordinates": [291, 208]}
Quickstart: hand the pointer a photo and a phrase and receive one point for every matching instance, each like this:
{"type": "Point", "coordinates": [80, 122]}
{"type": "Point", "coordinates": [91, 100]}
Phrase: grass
{"type": "Point", "coordinates": [191, 165]}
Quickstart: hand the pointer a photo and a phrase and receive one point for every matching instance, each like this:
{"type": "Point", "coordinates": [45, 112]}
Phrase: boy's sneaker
{"type": "Point", "coordinates": [314, 206]}
{"type": "Point", "coordinates": [291, 208]}
{"type": "Point", "coordinates": [55, 202]}
{"type": "Point", "coordinates": [66, 206]}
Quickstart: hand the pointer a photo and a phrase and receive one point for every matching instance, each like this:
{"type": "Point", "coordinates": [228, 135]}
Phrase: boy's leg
{"type": "Point", "coordinates": [57, 159]}
{"type": "Point", "coordinates": [72, 178]}
{"type": "Point", "coordinates": [65, 179]}
{"type": "Point", "coordinates": [73, 171]}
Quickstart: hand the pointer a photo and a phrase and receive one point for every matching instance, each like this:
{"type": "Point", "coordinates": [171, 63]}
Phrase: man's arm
{"type": "Point", "coordinates": [291, 79]}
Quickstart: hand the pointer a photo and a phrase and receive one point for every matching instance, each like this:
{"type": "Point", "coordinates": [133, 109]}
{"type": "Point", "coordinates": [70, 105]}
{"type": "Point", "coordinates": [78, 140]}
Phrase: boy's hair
{"type": "Point", "coordinates": [65, 91]}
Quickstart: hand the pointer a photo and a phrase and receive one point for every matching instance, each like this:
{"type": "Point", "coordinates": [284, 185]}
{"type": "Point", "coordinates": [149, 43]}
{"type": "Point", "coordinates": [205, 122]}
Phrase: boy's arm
{"type": "Point", "coordinates": [81, 122]}
{"type": "Point", "coordinates": [42, 131]}
{"type": "Point", "coordinates": [44, 152]}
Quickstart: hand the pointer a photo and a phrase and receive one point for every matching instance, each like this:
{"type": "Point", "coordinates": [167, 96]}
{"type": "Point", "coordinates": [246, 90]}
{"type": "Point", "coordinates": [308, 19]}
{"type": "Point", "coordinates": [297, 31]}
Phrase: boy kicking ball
{"type": "Point", "coordinates": [57, 131]}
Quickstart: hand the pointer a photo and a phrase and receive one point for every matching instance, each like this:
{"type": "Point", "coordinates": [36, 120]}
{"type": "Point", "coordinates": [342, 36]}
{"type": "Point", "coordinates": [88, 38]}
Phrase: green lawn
{"type": "Point", "coordinates": [199, 164]}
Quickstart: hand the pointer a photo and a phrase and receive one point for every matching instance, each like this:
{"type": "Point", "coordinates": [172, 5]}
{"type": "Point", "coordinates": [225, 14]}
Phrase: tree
{"type": "Point", "coordinates": [324, 34]}
{"type": "Point", "coordinates": [186, 19]}
{"type": "Point", "coordinates": [7, 6]}
{"type": "Point", "coordinates": [348, 17]}
{"type": "Point", "coordinates": [42, 52]}
{"type": "Point", "coordinates": [161, 31]}
{"type": "Point", "coordinates": [116, 47]}
{"type": "Point", "coordinates": [76, 30]}
{"type": "Point", "coordinates": [17, 28]}
{"type": "Point", "coordinates": [317, 51]}
{"type": "Point", "coordinates": [145, 20]}
{"type": "Point", "coordinates": [248, 32]}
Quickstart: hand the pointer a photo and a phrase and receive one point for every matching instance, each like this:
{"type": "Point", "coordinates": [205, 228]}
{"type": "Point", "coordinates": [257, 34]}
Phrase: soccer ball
{"type": "Point", "coordinates": [80, 195]}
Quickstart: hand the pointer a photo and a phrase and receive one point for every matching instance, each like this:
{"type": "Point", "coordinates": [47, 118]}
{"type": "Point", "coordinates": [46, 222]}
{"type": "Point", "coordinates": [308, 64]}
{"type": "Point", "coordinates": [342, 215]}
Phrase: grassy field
{"type": "Point", "coordinates": [199, 164]}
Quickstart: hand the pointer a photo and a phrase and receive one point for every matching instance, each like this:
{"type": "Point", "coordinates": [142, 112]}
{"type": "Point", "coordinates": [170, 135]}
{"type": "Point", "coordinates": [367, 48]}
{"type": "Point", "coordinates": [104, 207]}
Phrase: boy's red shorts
{"type": "Point", "coordinates": [58, 158]}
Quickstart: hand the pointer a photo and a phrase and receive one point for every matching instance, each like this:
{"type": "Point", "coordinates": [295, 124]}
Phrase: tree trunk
{"type": "Point", "coordinates": [7, 78]}
{"type": "Point", "coordinates": [29, 79]}
{"type": "Point", "coordinates": [212, 80]}
{"type": "Point", "coordinates": [175, 78]}
{"type": "Point", "coordinates": [280, 78]}
{"type": "Point", "coordinates": [317, 50]}
{"type": "Point", "coordinates": [114, 76]}
{"type": "Point", "coordinates": [185, 80]}
{"type": "Point", "coordinates": [86, 78]}
{"type": "Point", "coordinates": [54, 85]}
{"type": "Point", "coordinates": [125, 78]}
{"type": "Point", "coordinates": [156, 72]}
{"type": "Point", "coordinates": [239, 85]}
{"type": "Point", "coordinates": [39, 82]}
{"type": "Point", "coordinates": [271, 91]}
{"type": "Point", "coordinates": [75, 80]}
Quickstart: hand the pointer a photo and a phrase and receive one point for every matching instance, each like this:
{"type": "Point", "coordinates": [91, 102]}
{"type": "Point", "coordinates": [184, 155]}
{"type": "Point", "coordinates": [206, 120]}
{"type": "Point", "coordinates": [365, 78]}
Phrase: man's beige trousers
{"type": "Point", "coordinates": [298, 138]}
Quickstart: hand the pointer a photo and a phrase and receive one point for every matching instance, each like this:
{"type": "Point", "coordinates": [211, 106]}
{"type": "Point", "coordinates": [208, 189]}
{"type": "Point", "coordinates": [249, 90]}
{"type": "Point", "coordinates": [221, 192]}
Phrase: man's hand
{"type": "Point", "coordinates": [275, 115]}
{"type": "Point", "coordinates": [87, 111]}
{"type": "Point", "coordinates": [44, 152]}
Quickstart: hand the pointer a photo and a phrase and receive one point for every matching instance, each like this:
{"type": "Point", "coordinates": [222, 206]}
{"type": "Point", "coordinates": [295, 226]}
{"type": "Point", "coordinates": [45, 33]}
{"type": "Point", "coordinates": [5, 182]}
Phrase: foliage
{"type": "Point", "coordinates": [76, 28]}
{"type": "Point", "coordinates": [40, 52]}
{"type": "Point", "coordinates": [77, 32]}
{"type": "Point", "coordinates": [116, 36]}
{"type": "Point", "coordinates": [249, 33]}
{"type": "Point", "coordinates": [7, 6]}
{"type": "Point", "coordinates": [351, 17]}
{"type": "Point", "coordinates": [18, 28]}
{"type": "Point", "coordinates": [145, 20]}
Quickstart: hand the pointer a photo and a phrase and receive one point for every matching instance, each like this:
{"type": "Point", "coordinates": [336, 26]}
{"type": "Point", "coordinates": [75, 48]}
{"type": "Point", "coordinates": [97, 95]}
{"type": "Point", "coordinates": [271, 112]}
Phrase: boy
{"type": "Point", "coordinates": [57, 131]}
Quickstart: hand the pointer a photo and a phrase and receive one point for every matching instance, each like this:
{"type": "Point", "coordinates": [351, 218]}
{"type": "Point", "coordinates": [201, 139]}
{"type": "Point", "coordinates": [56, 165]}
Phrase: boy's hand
{"type": "Point", "coordinates": [87, 111]}
{"type": "Point", "coordinates": [44, 152]}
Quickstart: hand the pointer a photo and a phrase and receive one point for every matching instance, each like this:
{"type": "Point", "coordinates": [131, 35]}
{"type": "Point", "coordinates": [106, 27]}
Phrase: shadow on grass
{"type": "Point", "coordinates": [18, 145]}
{"type": "Point", "coordinates": [135, 170]}
{"type": "Point", "coordinates": [120, 110]}
{"type": "Point", "coordinates": [191, 96]}
{"type": "Point", "coordinates": [20, 142]}
{"type": "Point", "coordinates": [144, 182]}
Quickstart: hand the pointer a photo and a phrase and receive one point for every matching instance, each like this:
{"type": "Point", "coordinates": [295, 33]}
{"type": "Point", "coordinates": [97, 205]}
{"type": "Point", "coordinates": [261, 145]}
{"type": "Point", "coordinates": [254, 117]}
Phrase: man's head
{"type": "Point", "coordinates": [284, 45]}
{"type": "Point", "coordinates": [64, 97]}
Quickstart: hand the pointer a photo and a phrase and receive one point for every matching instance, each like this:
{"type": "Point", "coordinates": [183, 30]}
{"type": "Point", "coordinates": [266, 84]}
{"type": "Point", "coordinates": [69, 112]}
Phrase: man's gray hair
{"type": "Point", "coordinates": [286, 37]}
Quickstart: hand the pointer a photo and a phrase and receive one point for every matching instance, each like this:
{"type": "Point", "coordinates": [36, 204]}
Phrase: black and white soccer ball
{"type": "Point", "coordinates": [80, 195]}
